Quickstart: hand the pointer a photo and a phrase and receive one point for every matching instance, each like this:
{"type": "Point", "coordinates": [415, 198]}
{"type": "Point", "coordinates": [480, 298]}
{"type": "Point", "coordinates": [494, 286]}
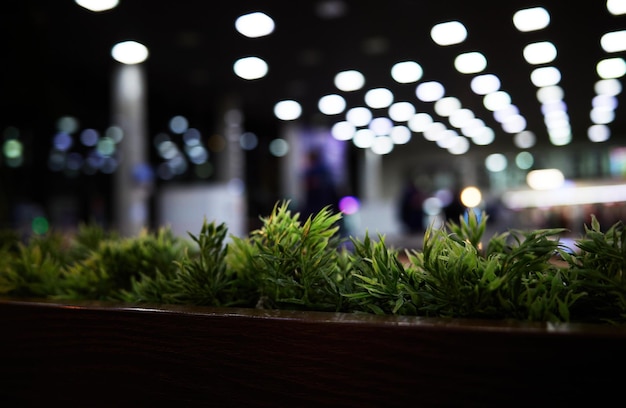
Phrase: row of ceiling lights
{"type": "Point", "coordinates": [382, 133]}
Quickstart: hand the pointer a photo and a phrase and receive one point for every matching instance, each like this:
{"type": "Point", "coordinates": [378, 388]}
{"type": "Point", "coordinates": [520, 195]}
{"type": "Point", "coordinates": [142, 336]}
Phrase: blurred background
{"type": "Point", "coordinates": [146, 113]}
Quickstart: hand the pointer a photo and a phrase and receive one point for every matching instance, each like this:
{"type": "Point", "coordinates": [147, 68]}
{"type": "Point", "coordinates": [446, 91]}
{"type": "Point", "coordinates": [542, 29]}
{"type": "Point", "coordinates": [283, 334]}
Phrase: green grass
{"type": "Point", "coordinates": [304, 264]}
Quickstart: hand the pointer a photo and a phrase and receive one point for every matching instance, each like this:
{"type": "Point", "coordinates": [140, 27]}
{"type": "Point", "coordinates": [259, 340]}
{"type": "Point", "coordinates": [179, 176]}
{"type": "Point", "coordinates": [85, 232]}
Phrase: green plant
{"type": "Point", "coordinates": [599, 272]}
{"type": "Point", "coordinates": [294, 264]}
{"type": "Point", "coordinates": [307, 265]}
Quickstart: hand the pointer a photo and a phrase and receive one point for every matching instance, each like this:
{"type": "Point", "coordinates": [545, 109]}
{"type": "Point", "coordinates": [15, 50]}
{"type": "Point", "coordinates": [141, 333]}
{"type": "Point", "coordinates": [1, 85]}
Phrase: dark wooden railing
{"type": "Point", "coordinates": [111, 355]}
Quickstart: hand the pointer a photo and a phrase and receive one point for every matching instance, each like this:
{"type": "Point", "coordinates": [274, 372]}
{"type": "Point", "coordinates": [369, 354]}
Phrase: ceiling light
{"type": "Point", "coordinates": [401, 111]}
{"type": "Point", "coordinates": [616, 7]}
{"type": "Point", "coordinates": [331, 104]}
{"type": "Point", "coordinates": [611, 68]}
{"type": "Point", "coordinates": [448, 33]}
{"type": "Point", "coordinates": [359, 116]}
{"type": "Point", "coordinates": [614, 41]}
{"type": "Point", "coordinates": [539, 53]}
{"type": "Point", "coordinates": [545, 76]}
{"type": "Point", "coordinates": [407, 72]}
{"type": "Point", "coordinates": [470, 63]}
{"type": "Point", "coordinates": [343, 130]}
{"type": "Point", "coordinates": [378, 98]}
{"type": "Point", "coordinates": [531, 19]}
{"type": "Point", "coordinates": [350, 80]}
{"type": "Point", "coordinates": [97, 5]}
{"type": "Point", "coordinates": [250, 68]}
{"type": "Point", "coordinates": [429, 91]}
{"type": "Point", "coordinates": [129, 52]}
{"type": "Point", "coordinates": [545, 179]}
{"type": "Point", "coordinates": [400, 134]}
{"type": "Point", "coordinates": [287, 110]}
{"type": "Point", "coordinates": [484, 84]}
{"type": "Point", "coordinates": [254, 25]}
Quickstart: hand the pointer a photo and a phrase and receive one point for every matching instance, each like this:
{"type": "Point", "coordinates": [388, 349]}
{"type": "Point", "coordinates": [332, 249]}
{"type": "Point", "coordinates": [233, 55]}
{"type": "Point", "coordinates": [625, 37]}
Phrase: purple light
{"type": "Point", "coordinates": [349, 205]}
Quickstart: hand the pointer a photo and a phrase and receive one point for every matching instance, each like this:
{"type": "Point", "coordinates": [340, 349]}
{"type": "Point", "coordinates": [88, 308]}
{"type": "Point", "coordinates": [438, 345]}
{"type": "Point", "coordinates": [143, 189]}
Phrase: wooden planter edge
{"type": "Point", "coordinates": [103, 354]}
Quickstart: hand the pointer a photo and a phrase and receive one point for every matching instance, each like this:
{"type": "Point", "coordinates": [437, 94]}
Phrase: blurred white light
{"type": "Point", "coordinates": [407, 72]}
{"type": "Point", "coordinates": [547, 94]}
{"type": "Point", "coordinates": [429, 91]}
{"type": "Point", "coordinates": [446, 106]}
{"type": "Point", "coordinates": [279, 147]}
{"type": "Point", "coordinates": [460, 117]}
{"type": "Point", "coordinates": [382, 145]}
{"type": "Point", "coordinates": [598, 133]}
{"type": "Point", "coordinates": [545, 179]}
{"type": "Point", "coordinates": [401, 111]}
{"type": "Point", "coordinates": [484, 136]}
{"type": "Point", "coordinates": [525, 139]}
{"type": "Point", "coordinates": [381, 126]}
{"type": "Point", "coordinates": [459, 145]}
{"type": "Point", "coordinates": [254, 25]}
{"type": "Point", "coordinates": [420, 122]}
{"type": "Point", "coordinates": [331, 104]}
{"type": "Point", "coordinates": [448, 33]}
{"type": "Point", "coordinates": [514, 124]}
{"type": "Point", "coordinates": [348, 81]}
{"type": "Point", "coordinates": [608, 87]}
{"type": "Point", "coordinates": [363, 138]}
{"type": "Point", "coordinates": [470, 62]}
{"type": "Point", "coordinates": [250, 68]}
{"type": "Point", "coordinates": [524, 160]}
{"type": "Point", "coordinates": [97, 5]}
{"type": "Point", "coordinates": [446, 138]}
{"type": "Point", "coordinates": [472, 127]}
{"type": "Point", "coordinates": [616, 7]}
{"type": "Point", "coordinates": [287, 110]}
{"type": "Point", "coordinates": [378, 98]}
{"type": "Point", "coordinates": [343, 130]}
{"type": "Point", "coordinates": [496, 162]}
{"type": "Point", "coordinates": [484, 84]}
{"type": "Point", "coordinates": [545, 76]}
{"type": "Point", "coordinates": [434, 131]}
{"type": "Point", "coordinates": [531, 19]}
{"type": "Point", "coordinates": [611, 68]}
{"type": "Point", "coordinates": [359, 116]}
{"type": "Point", "coordinates": [604, 101]}
{"type": "Point", "coordinates": [602, 116]}
{"type": "Point", "coordinates": [539, 53]}
{"type": "Point", "coordinates": [400, 134]}
{"type": "Point", "coordinates": [129, 52]}
{"type": "Point", "coordinates": [496, 100]}
{"type": "Point", "coordinates": [614, 41]}
{"type": "Point", "coordinates": [560, 136]}
{"type": "Point", "coordinates": [503, 113]}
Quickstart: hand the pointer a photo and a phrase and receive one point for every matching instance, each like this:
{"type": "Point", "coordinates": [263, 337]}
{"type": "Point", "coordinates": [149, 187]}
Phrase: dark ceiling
{"type": "Point", "coordinates": [56, 57]}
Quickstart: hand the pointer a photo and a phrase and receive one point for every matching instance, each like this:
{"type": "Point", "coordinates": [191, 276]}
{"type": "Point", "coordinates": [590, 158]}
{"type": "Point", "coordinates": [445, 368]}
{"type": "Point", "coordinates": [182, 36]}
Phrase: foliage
{"type": "Point", "coordinates": [296, 264]}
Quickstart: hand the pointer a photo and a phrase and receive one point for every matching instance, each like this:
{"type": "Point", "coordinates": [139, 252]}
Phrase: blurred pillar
{"type": "Point", "coordinates": [232, 167]}
{"type": "Point", "coordinates": [291, 166]}
{"type": "Point", "coordinates": [133, 178]}
{"type": "Point", "coordinates": [371, 173]}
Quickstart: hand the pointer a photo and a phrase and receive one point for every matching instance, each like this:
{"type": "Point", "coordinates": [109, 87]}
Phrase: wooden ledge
{"type": "Point", "coordinates": [111, 354]}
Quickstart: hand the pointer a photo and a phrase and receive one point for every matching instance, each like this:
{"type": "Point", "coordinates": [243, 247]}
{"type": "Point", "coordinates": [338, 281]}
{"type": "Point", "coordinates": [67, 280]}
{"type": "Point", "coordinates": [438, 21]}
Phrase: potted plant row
{"type": "Point", "coordinates": [296, 313]}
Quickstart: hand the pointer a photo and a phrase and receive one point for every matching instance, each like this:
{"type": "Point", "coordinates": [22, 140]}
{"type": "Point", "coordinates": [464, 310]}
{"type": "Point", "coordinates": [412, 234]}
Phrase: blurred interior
{"type": "Point", "coordinates": [519, 101]}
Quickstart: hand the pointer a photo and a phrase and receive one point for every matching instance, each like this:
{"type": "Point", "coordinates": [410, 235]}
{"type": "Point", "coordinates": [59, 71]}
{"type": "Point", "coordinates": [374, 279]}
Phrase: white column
{"type": "Point", "coordinates": [131, 188]}
{"type": "Point", "coordinates": [371, 174]}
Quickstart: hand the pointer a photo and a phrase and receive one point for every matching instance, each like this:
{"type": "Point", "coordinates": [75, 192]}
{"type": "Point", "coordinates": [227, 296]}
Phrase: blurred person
{"type": "Point", "coordinates": [455, 208]}
{"type": "Point", "coordinates": [411, 211]}
{"type": "Point", "coordinates": [319, 185]}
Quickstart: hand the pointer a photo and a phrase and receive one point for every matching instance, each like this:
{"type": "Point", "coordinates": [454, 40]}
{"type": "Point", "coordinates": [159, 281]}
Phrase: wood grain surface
{"type": "Point", "coordinates": [89, 354]}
